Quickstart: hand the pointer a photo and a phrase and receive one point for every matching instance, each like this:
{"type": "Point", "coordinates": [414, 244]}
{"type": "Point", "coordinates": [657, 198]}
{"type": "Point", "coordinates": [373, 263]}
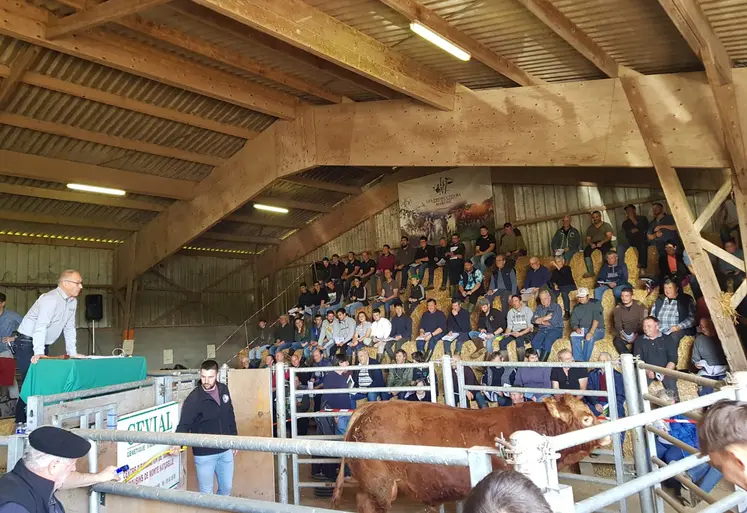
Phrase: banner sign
{"type": "Point", "coordinates": [152, 466]}
{"type": "Point", "coordinates": [437, 205]}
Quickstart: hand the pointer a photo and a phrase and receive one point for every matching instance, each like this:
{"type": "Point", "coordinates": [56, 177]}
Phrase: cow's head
{"type": "Point", "coordinates": [573, 412]}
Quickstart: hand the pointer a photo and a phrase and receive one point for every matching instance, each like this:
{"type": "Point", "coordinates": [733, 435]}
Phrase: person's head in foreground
{"type": "Point", "coordinates": [52, 453]}
{"type": "Point", "coordinates": [506, 491]}
{"type": "Point", "coordinates": [722, 435]}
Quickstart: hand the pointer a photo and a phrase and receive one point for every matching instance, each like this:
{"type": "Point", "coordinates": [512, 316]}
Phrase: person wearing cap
{"type": "Point", "coordinates": [48, 465]}
{"type": "Point", "coordinates": [635, 227]}
{"type": "Point", "coordinates": [208, 409]}
{"type": "Point", "coordinates": [587, 323]}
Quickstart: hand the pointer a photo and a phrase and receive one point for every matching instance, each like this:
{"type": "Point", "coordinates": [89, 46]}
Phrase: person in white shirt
{"type": "Point", "coordinates": [380, 331]}
{"type": "Point", "coordinates": [518, 327]}
{"type": "Point", "coordinates": [51, 315]}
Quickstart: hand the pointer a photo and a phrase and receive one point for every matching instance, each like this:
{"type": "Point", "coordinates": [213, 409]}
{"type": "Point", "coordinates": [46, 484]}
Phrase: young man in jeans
{"type": "Point", "coordinates": [208, 410]}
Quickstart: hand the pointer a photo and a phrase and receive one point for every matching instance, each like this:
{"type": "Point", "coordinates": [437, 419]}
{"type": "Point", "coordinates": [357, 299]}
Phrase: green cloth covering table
{"type": "Point", "coordinates": [48, 377]}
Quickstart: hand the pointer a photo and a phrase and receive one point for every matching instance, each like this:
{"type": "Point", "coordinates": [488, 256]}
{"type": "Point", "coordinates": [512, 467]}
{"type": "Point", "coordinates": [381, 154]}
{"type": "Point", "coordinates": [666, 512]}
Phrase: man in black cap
{"type": "Point", "coordinates": [47, 466]}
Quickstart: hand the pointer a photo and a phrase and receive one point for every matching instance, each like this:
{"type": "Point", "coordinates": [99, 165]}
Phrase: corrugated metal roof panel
{"type": "Point", "coordinates": [36, 143]}
{"type": "Point", "coordinates": [729, 20]}
{"type": "Point", "coordinates": [45, 105]}
{"type": "Point", "coordinates": [636, 33]}
{"type": "Point", "coordinates": [89, 74]}
{"type": "Point", "coordinates": [169, 16]}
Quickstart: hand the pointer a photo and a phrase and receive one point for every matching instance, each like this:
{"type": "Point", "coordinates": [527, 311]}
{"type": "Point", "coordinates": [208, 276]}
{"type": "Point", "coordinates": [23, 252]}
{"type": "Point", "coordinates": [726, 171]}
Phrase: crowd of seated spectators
{"type": "Point", "coordinates": [330, 320]}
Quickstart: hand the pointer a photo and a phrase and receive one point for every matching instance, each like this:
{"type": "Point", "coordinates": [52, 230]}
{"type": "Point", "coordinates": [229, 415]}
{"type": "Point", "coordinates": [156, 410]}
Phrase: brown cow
{"type": "Point", "coordinates": [415, 423]}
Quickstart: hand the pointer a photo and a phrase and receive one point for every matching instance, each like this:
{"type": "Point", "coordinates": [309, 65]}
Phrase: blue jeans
{"type": "Point", "coordinates": [256, 352]}
{"type": "Point", "coordinates": [324, 309]}
{"type": "Point", "coordinates": [709, 390]}
{"type": "Point", "coordinates": [372, 397]}
{"type": "Point", "coordinates": [307, 350]}
{"type": "Point", "coordinates": [386, 304]}
{"type": "Point", "coordinates": [459, 343]}
{"type": "Point", "coordinates": [564, 292]}
{"type": "Point", "coordinates": [582, 348]}
{"type": "Point", "coordinates": [488, 341]}
{"type": "Point", "coordinates": [545, 338]}
{"type": "Point", "coordinates": [704, 475]}
{"type": "Point", "coordinates": [420, 270]}
{"type": "Point", "coordinates": [219, 465]}
{"type": "Point", "coordinates": [617, 291]}
{"type": "Point", "coordinates": [479, 261]}
{"type": "Point", "coordinates": [352, 307]}
{"type": "Point", "coordinates": [482, 401]}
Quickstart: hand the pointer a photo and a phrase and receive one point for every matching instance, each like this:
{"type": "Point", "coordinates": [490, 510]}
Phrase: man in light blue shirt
{"type": "Point", "coordinates": [9, 320]}
{"type": "Point", "coordinates": [51, 315]}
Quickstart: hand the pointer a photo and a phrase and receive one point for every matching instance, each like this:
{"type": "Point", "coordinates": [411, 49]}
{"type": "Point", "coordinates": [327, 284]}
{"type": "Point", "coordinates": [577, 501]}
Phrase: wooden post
{"type": "Point", "coordinates": [683, 216]}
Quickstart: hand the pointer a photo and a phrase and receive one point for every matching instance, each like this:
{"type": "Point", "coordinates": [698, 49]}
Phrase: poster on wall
{"type": "Point", "coordinates": [460, 200]}
{"type": "Point", "coordinates": [151, 464]}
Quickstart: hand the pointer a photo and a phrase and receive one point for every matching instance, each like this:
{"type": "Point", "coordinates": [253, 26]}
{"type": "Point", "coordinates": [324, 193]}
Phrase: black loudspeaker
{"type": "Point", "coordinates": [94, 307]}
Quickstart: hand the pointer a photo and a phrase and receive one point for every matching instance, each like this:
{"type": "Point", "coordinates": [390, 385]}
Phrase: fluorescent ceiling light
{"type": "Point", "coordinates": [439, 41]}
{"type": "Point", "coordinates": [270, 208]}
{"type": "Point", "coordinates": [93, 188]}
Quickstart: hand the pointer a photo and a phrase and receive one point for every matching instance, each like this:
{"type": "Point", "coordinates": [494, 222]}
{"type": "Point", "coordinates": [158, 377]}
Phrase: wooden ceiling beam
{"type": "Point", "coordinates": [652, 135]}
{"type": "Point", "coordinates": [292, 204]}
{"type": "Point", "coordinates": [123, 102]}
{"type": "Point", "coordinates": [324, 185]}
{"type": "Point", "coordinates": [21, 20]}
{"type": "Point", "coordinates": [415, 11]}
{"type": "Point", "coordinates": [244, 239]}
{"type": "Point", "coordinates": [49, 169]}
{"type": "Point", "coordinates": [105, 12]}
{"type": "Point", "coordinates": [79, 197]}
{"type": "Point", "coordinates": [693, 24]}
{"type": "Point", "coordinates": [49, 241]}
{"type": "Point", "coordinates": [574, 36]}
{"type": "Point", "coordinates": [16, 72]}
{"type": "Point", "coordinates": [345, 217]}
{"type": "Point", "coordinates": [235, 60]}
{"type": "Point", "coordinates": [283, 149]}
{"type": "Point", "coordinates": [240, 32]}
{"type": "Point", "coordinates": [308, 28]}
{"type": "Point", "coordinates": [28, 217]}
{"type": "Point", "coordinates": [82, 134]}
{"type": "Point", "coordinates": [275, 223]}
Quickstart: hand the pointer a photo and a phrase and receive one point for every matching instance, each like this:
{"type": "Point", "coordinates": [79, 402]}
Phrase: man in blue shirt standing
{"type": "Point", "coordinates": [51, 315]}
{"type": "Point", "coordinates": [9, 320]}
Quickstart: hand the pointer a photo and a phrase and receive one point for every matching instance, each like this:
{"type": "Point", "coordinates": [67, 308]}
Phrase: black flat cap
{"type": "Point", "coordinates": [59, 442]}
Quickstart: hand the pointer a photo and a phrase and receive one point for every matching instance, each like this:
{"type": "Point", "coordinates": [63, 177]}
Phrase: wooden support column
{"type": "Point", "coordinates": [683, 216]}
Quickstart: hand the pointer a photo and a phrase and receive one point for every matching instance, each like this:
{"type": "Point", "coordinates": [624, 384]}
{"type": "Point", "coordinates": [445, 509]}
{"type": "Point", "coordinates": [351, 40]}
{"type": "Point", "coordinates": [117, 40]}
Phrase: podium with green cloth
{"type": "Point", "coordinates": [48, 376]}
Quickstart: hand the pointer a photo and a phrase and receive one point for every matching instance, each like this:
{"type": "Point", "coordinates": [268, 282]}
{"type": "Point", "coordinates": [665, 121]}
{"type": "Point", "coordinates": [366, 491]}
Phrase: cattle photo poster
{"type": "Point", "coordinates": [437, 205]}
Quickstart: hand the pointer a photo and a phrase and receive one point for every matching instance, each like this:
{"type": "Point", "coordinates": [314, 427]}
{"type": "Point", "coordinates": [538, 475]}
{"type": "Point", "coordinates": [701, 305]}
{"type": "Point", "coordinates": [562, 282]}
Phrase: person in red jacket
{"type": "Point", "coordinates": [385, 261]}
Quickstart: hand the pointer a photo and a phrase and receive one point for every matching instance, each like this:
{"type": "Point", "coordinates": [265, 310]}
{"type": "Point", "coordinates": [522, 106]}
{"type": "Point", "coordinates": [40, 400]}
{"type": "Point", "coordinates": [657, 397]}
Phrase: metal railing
{"type": "Point", "coordinates": [610, 394]}
{"type": "Point", "coordinates": [477, 459]}
{"type": "Point", "coordinates": [640, 416]}
{"type": "Point", "coordinates": [295, 393]}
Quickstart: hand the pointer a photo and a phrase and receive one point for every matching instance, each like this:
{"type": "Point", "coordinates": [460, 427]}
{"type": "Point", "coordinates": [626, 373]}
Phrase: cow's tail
{"type": "Point", "coordinates": [339, 484]}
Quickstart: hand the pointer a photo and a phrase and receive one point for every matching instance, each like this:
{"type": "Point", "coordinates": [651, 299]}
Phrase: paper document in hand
{"type": "Point", "coordinates": [486, 336]}
{"type": "Point", "coordinates": [441, 262]}
{"type": "Point", "coordinates": [420, 338]}
{"type": "Point", "coordinates": [450, 337]}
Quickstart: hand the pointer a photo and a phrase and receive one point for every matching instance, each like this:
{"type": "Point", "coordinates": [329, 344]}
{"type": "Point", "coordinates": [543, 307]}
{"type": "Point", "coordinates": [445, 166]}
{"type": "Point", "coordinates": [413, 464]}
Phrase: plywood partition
{"type": "Point", "coordinates": [254, 472]}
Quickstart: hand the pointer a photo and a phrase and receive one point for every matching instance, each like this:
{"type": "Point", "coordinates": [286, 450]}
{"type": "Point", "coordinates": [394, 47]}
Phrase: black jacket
{"type": "Point", "coordinates": [30, 491]}
{"type": "Point", "coordinates": [491, 321]}
{"type": "Point", "coordinates": [201, 414]}
{"type": "Point", "coordinates": [305, 299]}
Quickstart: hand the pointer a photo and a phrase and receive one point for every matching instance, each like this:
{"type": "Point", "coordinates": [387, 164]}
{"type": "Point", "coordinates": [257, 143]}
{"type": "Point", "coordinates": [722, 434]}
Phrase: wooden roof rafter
{"type": "Point", "coordinates": [693, 24]}
{"type": "Point", "coordinates": [126, 103]}
{"type": "Point", "coordinates": [240, 32]}
{"type": "Point", "coordinates": [16, 73]}
{"type": "Point", "coordinates": [308, 28]}
{"type": "Point", "coordinates": [26, 22]}
{"type": "Point", "coordinates": [414, 11]}
{"type": "Point", "coordinates": [96, 15]}
{"type": "Point", "coordinates": [66, 171]}
{"type": "Point", "coordinates": [559, 23]}
{"type": "Point", "coordinates": [203, 48]}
